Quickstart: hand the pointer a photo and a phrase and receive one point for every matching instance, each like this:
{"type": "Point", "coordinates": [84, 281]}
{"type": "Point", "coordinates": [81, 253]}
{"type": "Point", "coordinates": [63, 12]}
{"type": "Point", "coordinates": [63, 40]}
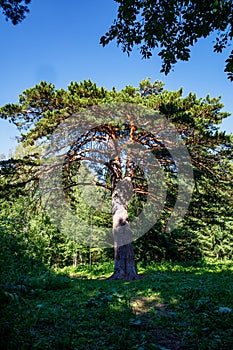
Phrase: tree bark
{"type": "Point", "coordinates": [124, 263]}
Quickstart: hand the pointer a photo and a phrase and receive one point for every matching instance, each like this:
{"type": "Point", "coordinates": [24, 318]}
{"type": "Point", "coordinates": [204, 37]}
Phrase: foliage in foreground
{"type": "Point", "coordinates": [173, 306]}
{"type": "Point", "coordinates": [172, 27]}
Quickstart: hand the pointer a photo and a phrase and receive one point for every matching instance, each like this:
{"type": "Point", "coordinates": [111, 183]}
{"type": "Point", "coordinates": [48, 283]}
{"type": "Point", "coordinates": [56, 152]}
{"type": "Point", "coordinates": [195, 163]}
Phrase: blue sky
{"type": "Point", "coordinates": [59, 42]}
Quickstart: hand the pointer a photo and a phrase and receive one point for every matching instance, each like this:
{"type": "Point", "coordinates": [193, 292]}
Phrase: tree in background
{"type": "Point", "coordinates": [42, 109]}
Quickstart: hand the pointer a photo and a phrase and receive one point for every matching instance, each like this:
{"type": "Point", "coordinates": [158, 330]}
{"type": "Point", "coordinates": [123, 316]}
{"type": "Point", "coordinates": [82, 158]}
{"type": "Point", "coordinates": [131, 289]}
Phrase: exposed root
{"type": "Point", "coordinates": [124, 277]}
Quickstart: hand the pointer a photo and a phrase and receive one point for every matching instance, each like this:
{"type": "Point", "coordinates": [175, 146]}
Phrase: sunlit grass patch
{"type": "Point", "coordinates": [173, 306]}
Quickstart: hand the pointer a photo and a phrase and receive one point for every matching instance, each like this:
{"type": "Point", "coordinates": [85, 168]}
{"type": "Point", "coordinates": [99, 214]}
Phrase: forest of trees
{"type": "Point", "coordinates": [29, 229]}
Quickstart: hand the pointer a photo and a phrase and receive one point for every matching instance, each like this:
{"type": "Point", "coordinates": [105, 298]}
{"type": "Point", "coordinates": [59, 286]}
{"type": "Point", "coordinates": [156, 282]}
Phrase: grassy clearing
{"type": "Point", "coordinates": [173, 306]}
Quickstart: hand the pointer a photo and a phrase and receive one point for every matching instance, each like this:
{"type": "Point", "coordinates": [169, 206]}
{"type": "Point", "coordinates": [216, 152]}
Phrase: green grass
{"type": "Point", "coordinates": [173, 306]}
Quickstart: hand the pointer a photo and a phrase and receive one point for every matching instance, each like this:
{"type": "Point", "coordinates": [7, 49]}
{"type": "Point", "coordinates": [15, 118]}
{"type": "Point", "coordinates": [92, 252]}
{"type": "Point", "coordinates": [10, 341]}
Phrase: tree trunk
{"type": "Point", "coordinates": [124, 263]}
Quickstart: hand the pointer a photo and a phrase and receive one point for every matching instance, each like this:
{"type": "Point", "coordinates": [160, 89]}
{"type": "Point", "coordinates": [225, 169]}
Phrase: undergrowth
{"type": "Point", "coordinates": [173, 306]}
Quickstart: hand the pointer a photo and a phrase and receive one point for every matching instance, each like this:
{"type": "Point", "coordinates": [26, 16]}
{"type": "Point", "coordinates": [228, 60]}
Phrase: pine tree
{"type": "Point", "coordinates": [102, 147]}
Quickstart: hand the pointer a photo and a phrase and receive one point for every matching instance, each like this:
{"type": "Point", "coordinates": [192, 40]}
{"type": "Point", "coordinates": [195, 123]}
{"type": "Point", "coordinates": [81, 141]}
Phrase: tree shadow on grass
{"type": "Point", "coordinates": [173, 306]}
{"type": "Point", "coordinates": [187, 306]}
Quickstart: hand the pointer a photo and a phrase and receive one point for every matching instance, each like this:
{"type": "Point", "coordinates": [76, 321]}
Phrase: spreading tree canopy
{"type": "Point", "coordinates": [68, 120]}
